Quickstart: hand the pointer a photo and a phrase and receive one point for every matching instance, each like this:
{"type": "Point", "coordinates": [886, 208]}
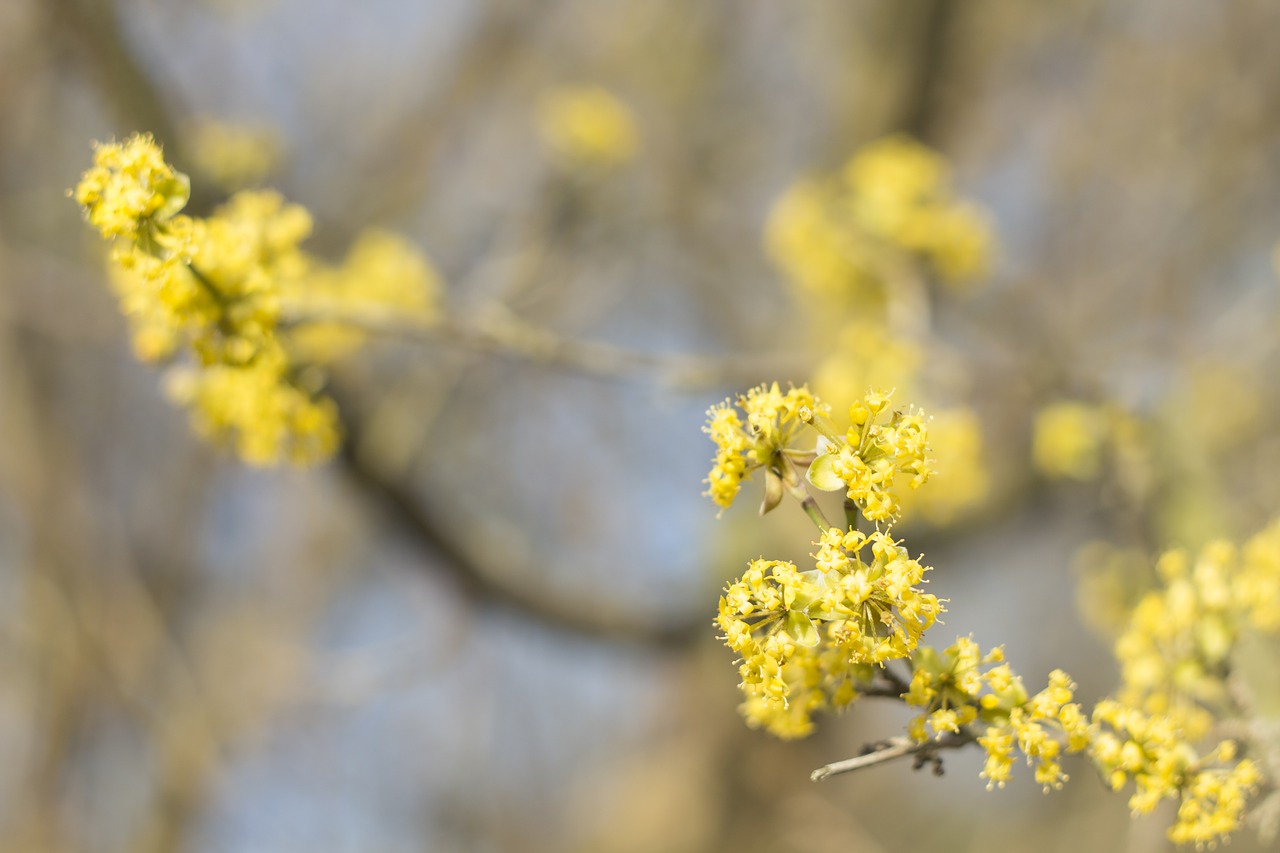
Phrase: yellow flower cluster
{"type": "Point", "coordinates": [850, 235]}
{"type": "Point", "coordinates": [1151, 749]}
{"type": "Point", "coordinates": [233, 155]}
{"type": "Point", "coordinates": [867, 354]}
{"type": "Point", "coordinates": [1174, 651]}
{"type": "Point", "coordinates": [130, 185]}
{"type": "Point", "coordinates": [1069, 439]}
{"type": "Point", "coordinates": [212, 289]}
{"type": "Point", "coordinates": [955, 692]}
{"type": "Point", "coordinates": [1045, 727]}
{"type": "Point", "coordinates": [381, 271]}
{"type": "Point", "coordinates": [808, 639]}
{"type": "Point", "coordinates": [860, 239]}
{"type": "Point", "coordinates": [587, 128]}
{"type": "Point", "coordinates": [1174, 655]}
{"type": "Point", "coordinates": [258, 409]}
{"type": "Point", "coordinates": [767, 426]}
{"type": "Point", "coordinates": [870, 456]}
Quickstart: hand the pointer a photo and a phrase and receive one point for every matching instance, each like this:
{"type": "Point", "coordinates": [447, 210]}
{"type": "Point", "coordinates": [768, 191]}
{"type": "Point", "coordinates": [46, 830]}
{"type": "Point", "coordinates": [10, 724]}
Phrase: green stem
{"type": "Point", "coordinates": [822, 425]}
{"type": "Point", "coordinates": [851, 515]}
{"type": "Point", "coordinates": [203, 280]}
{"type": "Point", "coordinates": [791, 480]}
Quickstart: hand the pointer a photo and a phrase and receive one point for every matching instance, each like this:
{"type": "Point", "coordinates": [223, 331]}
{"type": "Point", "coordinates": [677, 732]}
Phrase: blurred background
{"type": "Point", "coordinates": [486, 625]}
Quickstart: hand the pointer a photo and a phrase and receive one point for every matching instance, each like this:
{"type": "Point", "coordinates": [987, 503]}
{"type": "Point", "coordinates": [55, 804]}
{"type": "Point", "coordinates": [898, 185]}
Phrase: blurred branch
{"type": "Point", "coordinates": [540, 601]}
{"type": "Point", "coordinates": [502, 333]}
{"type": "Point", "coordinates": [921, 100]}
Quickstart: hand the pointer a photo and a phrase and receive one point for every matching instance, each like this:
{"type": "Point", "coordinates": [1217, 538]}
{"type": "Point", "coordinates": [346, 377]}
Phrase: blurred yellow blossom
{"type": "Point", "coordinates": [381, 270]}
{"type": "Point", "coordinates": [587, 127]}
{"type": "Point", "coordinates": [1069, 440]}
{"type": "Point", "coordinates": [259, 410]}
{"type": "Point", "coordinates": [859, 234]}
{"type": "Point", "coordinates": [956, 447]}
{"type": "Point", "coordinates": [212, 289]}
{"type": "Point", "coordinates": [866, 354]}
{"type": "Point", "coordinates": [1152, 751]}
{"type": "Point", "coordinates": [232, 155]}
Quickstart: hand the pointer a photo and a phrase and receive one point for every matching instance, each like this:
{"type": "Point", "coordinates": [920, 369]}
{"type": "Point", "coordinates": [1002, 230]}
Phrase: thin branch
{"type": "Point", "coordinates": [919, 110]}
{"type": "Point", "coordinates": [502, 334]}
{"type": "Point", "coordinates": [891, 750]}
{"type": "Point", "coordinates": [537, 598]}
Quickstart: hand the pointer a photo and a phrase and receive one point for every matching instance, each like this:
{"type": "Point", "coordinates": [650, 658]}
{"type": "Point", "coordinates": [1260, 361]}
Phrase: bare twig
{"type": "Point", "coordinates": [891, 750]}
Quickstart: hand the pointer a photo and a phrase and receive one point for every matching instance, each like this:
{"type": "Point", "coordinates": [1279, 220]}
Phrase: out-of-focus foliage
{"type": "Point", "coordinates": [220, 288]}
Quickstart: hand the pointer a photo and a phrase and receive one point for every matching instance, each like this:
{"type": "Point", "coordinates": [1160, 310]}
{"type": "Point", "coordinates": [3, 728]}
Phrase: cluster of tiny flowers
{"type": "Point", "coordinates": [768, 424]}
{"type": "Point", "coordinates": [1151, 750]}
{"type": "Point", "coordinates": [868, 459]}
{"type": "Point", "coordinates": [850, 234]}
{"type": "Point", "coordinates": [130, 186]}
{"type": "Point", "coordinates": [1045, 727]}
{"type": "Point", "coordinates": [956, 692]}
{"type": "Point", "coordinates": [1174, 655]}
{"type": "Point", "coordinates": [587, 128]}
{"type": "Point", "coordinates": [807, 639]}
{"type": "Point", "coordinates": [212, 289]}
{"type": "Point", "coordinates": [1174, 650]}
{"type": "Point", "coordinates": [1068, 440]}
{"type": "Point", "coordinates": [234, 156]}
{"type": "Point", "coordinates": [381, 271]}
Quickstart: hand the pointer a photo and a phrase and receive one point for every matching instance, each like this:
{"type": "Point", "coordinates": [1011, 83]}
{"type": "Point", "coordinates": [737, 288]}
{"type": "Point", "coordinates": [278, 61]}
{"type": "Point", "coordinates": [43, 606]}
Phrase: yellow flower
{"type": "Point", "coordinates": [769, 424]}
{"type": "Point", "coordinates": [869, 459]}
{"type": "Point", "coordinates": [955, 444]}
{"type": "Point", "coordinates": [234, 156]}
{"type": "Point", "coordinates": [1069, 440]}
{"type": "Point", "coordinates": [856, 235]}
{"type": "Point", "coordinates": [129, 184]}
{"type": "Point", "coordinates": [381, 271]}
{"type": "Point", "coordinates": [587, 127]}
{"type": "Point", "coordinates": [260, 411]}
{"type": "Point", "coordinates": [807, 640]}
{"type": "Point", "coordinates": [210, 289]}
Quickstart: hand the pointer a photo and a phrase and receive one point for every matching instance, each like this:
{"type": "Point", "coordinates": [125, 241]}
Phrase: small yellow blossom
{"type": "Point", "coordinates": [1150, 750]}
{"type": "Point", "coordinates": [381, 271]}
{"type": "Point", "coordinates": [769, 423]}
{"type": "Point", "coordinates": [1069, 440]}
{"type": "Point", "coordinates": [259, 410]}
{"type": "Point", "coordinates": [209, 291]}
{"type": "Point", "coordinates": [129, 185]}
{"type": "Point", "coordinates": [234, 155]}
{"type": "Point", "coordinates": [866, 354]}
{"type": "Point", "coordinates": [587, 127]}
{"type": "Point", "coordinates": [856, 235]}
{"type": "Point", "coordinates": [873, 454]}
{"type": "Point", "coordinates": [956, 447]}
